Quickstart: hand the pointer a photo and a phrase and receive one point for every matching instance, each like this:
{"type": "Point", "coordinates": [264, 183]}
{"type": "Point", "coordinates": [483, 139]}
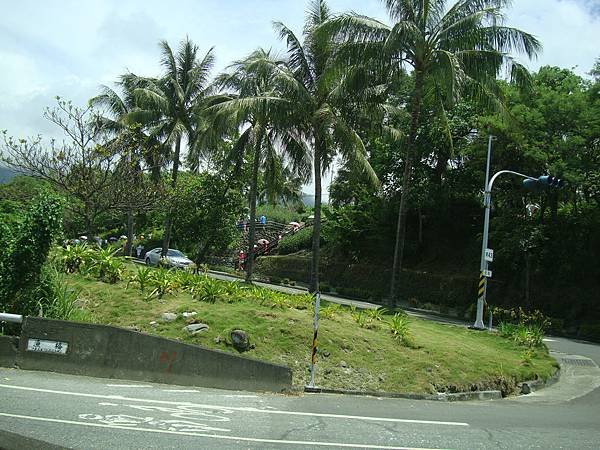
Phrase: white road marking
{"type": "Point", "coordinates": [180, 390]}
{"type": "Point", "coordinates": [130, 385]}
{"type": "Point", "coordinates": [238, 408]}
{"type": "Point", "coordinates": [108, 404]}
{"type": "Point", "coordinates": [240, 396]}
{"type": "Point", "coordinates": [211, 436]}
{"type": "Point", "coordinates": [548, 340]}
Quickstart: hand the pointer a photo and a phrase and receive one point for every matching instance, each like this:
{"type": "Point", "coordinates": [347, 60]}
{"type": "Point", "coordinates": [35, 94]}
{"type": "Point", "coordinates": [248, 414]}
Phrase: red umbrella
{"type": "Point", "coordinates": [262, 241]}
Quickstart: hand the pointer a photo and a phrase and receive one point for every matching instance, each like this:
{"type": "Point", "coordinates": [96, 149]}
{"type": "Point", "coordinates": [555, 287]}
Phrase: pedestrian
{"type": "Point", "coordinates": [241, 259]}
{"type": "Point", "coordinates": [139, 250]}
{"type": "Point", "coordinates": [263, 219]}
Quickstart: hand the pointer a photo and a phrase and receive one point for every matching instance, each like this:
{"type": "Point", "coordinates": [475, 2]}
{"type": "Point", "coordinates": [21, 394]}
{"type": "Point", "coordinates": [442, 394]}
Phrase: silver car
{"type": "Point", "coordinates": [174, 258]}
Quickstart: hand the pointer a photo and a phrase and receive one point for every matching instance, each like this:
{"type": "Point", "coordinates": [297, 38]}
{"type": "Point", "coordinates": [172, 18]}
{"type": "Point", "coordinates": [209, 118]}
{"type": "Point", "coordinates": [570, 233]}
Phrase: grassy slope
{"type": "Point", "coordinates": [447, 356]}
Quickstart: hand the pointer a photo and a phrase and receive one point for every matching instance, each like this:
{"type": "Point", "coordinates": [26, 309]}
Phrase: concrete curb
{"type": "Point", "coordinates": [442, 397]}
{"type": "Point", "coordinates": [527, 387]}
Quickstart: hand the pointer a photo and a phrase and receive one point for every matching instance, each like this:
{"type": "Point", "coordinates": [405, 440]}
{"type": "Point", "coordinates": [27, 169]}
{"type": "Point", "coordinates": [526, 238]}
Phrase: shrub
{"type": "Point", "coordinates": [330, 311]}
{"type": "Point", "coordinates": [301, 240]}
{"type": "Point", "coordinates": [301, 301]}
{"type": "Point", "coordinates": [209, 290]}
{"type": "Point", "coordinates": [530, 336]}
{"type": "Point", "coordinates": [57, 300]}
{"type": "Point", "coordinates": [142, 277]}
{"type": "Point", "coordinates": [519, 315]}
{"type": "Point", "coordinates": [361, 318]}
{"type": "Point", "coordinates": [25, 248]}
{"type": "Point", "coordinates": [72, 258]}
{"type": "Point", "coordinates": [105, 265]}
{"type": "Point", "coordinates": [399, 327]}
{"type": "Point", "coordinates": [377, 314]}
{"type": "Point", "coordinates": [163, 282]}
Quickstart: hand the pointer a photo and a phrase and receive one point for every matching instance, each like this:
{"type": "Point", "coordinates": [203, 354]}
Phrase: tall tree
{"type": "Point", "coordinates": [169, 106]}
{"type": "Point", "coordinates": [452, 51]}
{"type": "Point", "coordinates": [259, 83]}
{"type": "Point", "coordinates": [136, 148]}
{"type": "Point", "coordinates": [81, 166]}
{"type": "Point", "coordinates": [319, 91]}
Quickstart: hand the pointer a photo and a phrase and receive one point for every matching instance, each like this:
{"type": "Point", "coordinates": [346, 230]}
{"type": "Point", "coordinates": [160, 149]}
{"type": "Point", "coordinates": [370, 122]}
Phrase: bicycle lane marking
{"type": "Point", "coordinates": [238, 408]}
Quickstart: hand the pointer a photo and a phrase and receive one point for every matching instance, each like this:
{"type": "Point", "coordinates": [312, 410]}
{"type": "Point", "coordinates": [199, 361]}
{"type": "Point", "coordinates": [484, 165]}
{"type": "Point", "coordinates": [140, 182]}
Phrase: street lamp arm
{"type": "Point", "coordinates": [497, 174]}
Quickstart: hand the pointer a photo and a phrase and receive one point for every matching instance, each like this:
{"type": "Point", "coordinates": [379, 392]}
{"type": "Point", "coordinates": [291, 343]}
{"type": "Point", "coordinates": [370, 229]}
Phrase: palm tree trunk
{"type": "Point", "coordinates": [129, 243]}
{"type": "Point", "coordinates": [316, 243]}
{"type": "Point", "coordinates": [252, 230]}
{"type": "Point", "coordinates": [406, 187]}
{"type": "Point", "coordinates": [169, 219]}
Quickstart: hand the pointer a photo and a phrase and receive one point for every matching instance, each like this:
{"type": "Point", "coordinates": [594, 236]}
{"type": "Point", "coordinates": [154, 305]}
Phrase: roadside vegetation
{"type": "Point", "coordinates": [358, 349]}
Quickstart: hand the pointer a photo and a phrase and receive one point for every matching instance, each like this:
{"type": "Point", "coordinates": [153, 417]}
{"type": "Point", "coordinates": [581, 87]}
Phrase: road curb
{"type": "Point", "coordinates": [527, 387]}
{"type": "Point", "coordinates": [442, 397]}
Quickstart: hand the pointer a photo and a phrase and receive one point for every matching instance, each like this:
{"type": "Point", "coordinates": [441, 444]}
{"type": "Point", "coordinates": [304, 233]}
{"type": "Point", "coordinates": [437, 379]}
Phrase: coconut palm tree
{"type": "Point", "coordinates": [117, 108]}
{"type": "Point", "coordinates": [319, 90]}
{"type": "Point", "coordinates": [170, 106]}
{"type": "Point", "coordinates": [257, 103]}
{"type": "Point", "coordinates": [452, 51]}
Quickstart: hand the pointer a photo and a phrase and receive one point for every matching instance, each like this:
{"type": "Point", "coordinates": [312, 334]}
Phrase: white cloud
{"type": "Point", "coordinates": [68, 48]}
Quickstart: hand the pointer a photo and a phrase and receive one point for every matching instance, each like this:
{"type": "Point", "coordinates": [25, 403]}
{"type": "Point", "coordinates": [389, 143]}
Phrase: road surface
{"type": "Point", "coordinates": [93, 413]}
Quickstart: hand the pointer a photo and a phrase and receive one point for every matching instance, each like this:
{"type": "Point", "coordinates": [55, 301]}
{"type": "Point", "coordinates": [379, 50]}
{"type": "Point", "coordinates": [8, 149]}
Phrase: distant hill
{"type": "Point", "coordinates": [6, 175]}
{"type": "Point", "coordinates": [309, 199]}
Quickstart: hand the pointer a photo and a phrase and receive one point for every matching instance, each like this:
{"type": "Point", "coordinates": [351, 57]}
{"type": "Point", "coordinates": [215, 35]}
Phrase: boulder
{"type": "Point", "coordinates": [196, 328]}
{"type": "Point", "coordinates": [169, 317]}
{"type": "Point", "coordinates": [240, 340]}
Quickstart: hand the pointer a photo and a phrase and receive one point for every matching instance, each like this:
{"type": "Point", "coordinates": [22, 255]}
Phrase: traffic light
{"type": "Point", "coordinates": [550, 181]}
{"type": "Point", "coordinates": [545, 181]}
{"type": "Point", "coordinates": [532, 185]}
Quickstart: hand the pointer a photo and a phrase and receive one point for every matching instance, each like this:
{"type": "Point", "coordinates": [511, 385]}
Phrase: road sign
{"type": "Point", "coordinates": [489, 254]}
{"type": "Point", "coordinates": [487, 273]}
{"type": "Point", "coordinates": [40, 345]}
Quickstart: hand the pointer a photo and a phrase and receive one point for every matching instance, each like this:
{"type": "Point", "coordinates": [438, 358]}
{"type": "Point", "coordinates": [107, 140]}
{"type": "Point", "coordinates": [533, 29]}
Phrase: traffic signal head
{"type": "Point", "coordinates": [550, 181]}
{"type": "Point", "coordinates": [532, 185]}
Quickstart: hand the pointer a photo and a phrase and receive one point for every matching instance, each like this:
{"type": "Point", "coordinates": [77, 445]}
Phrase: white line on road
{"type": "Point", "coordinates": [239, 408]}
{"type": "Point", "coordinates": [211, 436]}
{"type": "Point", "coordinates": [130, 385]}
{"type": "Point", "coordinates": [180, 390]}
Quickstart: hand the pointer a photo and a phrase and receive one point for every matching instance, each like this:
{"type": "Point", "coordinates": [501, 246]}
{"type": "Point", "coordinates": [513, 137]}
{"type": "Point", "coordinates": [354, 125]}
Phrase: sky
{"type": "Point", "coordinates": [70, 47]}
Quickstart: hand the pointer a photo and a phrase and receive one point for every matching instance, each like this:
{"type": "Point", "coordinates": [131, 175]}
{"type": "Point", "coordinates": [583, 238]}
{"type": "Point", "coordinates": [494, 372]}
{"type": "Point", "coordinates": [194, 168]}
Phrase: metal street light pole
{"type": "Point", "coordinates": [487, 200]}
{"type": "Point", "coordinates": [487, 254]}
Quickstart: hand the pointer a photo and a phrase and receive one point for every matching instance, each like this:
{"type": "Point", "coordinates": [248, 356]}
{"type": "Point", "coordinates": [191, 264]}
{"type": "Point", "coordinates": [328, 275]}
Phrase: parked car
{"type": "Point", "coordinates": [174, 258]}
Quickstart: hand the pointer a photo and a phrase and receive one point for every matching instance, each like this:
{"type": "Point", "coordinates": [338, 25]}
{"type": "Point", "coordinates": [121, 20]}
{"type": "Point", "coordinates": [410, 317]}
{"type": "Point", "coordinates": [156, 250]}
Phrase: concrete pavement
{"type": "Point", "coordinates": [89, 413]}
{"type": "Point", "coordinates": [82, 412]}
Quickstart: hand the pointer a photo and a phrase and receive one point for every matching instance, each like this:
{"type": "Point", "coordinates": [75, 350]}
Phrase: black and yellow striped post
{"type": "Point", "coordinates": [313, 359]}
{"type": "Point", "coordinates": [482, 286]}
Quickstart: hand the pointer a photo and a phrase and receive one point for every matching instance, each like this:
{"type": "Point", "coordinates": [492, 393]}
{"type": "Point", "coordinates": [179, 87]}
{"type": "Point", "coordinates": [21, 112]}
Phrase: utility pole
{"type": "Point", "coordinates": [487, 255]}
{"type": "Point", "coordinates": [483, 267]}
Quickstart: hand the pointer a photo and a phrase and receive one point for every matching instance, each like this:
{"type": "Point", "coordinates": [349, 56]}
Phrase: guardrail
{"type": "Point", "coordinates": [15, 318]}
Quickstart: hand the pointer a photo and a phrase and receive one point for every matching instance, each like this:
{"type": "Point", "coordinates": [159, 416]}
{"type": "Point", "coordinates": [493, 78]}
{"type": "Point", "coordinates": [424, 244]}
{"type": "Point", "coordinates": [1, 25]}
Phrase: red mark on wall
{"type": "Point", "coordinates": [168, 358]}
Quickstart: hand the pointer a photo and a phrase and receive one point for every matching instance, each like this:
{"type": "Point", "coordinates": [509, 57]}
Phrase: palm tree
{"type": "Point", "coordinates": [125, 137]}
{"type": "Point", "coordinates": [118, 108]}
{"type": "Point", "coordinates": [257, 104]}
{"type": "Point", "coordinates": [318, 92]}
{"type": "Point", "coordinates": [171, 105]}
{"type": "Point", "coordinates": [452, 52]}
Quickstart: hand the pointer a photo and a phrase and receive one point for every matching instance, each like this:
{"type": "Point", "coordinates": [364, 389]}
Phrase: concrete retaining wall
{"type": "Point", "coordinates": [8, 350]}
{"type": "Point", "coordinates": [110, 352]}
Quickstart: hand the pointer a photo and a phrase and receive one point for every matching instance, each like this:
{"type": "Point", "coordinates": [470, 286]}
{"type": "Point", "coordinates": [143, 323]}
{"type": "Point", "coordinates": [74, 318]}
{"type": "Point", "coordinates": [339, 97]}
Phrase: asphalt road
{"type": "Point", "coordinates": [92, 413]}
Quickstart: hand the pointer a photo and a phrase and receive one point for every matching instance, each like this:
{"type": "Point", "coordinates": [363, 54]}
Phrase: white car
{"type": "Point", "coordinates": [174, 258]}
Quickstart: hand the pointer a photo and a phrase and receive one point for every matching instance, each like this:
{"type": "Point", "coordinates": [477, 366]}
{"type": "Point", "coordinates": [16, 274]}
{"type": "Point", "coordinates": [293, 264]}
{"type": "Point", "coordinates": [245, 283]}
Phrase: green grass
{"type": "Point", "coordinates": [439, 357]}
